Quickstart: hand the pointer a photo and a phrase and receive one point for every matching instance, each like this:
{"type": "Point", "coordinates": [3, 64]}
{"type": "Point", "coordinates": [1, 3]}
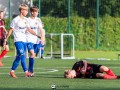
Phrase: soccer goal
{"type": "Point", "coordinates": [60, 46]}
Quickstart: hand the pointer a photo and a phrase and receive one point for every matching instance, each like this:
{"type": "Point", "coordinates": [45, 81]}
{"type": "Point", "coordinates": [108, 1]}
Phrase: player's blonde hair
{"type": "Point", "coordinates": [23, 6]}
{"type": "Point", "coordinates": [66, 73]}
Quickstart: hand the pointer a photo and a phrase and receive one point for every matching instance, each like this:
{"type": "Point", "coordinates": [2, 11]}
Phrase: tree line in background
{"type": "Point", "coordinates": [82, 8]}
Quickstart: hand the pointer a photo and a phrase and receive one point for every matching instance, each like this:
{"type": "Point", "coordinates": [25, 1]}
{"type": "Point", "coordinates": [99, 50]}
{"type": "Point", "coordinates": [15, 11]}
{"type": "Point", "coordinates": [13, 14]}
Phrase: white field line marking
{"type": "Point", "coordinates": [57, 67]}
{"type": "Point", "coordinates": [71, 67]}
{"type": "Point", "coordinates": [48, 70]}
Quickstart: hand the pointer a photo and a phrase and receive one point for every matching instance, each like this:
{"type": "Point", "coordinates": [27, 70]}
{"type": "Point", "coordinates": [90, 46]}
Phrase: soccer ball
{"type": "Point", "coordinates": [53, 86]}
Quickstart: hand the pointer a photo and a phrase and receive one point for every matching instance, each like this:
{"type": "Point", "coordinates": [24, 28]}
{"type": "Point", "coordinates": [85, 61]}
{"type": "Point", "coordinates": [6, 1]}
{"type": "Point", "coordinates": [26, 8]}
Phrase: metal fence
{"type": "Point", "coordinates": [95, 23]}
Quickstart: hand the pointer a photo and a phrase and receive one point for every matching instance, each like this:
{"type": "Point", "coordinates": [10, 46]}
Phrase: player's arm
{"type": "Point", "coordinates": [32, 32]}
{"type": "Point", "coordinates": [5, 30]}
{"type": "Point", "coordinates": [42, 34]}
{"type": "Point", "coordinates": [84, 68]}
{"type": "Point", "coordinates": [8, 35]}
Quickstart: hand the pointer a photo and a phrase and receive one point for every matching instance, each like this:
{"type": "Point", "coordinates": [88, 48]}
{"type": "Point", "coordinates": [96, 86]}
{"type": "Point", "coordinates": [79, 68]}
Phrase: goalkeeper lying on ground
{"type": "Point", "coordinates": [83, 69]}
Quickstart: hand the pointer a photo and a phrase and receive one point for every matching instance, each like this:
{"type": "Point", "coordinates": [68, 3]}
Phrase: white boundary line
{"type": "Point", "coordinates": [59, 67]}
{"type": "Point", "coordinates": [49, 70]}
{"type": "Point", "coordinates": [71, 67]}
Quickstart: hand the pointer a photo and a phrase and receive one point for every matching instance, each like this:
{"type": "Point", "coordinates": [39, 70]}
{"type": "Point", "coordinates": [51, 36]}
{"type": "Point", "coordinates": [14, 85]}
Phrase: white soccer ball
{"type": "Point", "coordinates": [53, 86]}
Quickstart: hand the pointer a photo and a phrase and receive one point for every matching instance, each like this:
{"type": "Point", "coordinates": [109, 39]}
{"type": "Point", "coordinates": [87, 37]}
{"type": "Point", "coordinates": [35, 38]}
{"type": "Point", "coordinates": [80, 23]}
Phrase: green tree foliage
{"type": "Point", "coordinates": [56, 8]}
{"type": "Point", "coordinates": [83, 8]}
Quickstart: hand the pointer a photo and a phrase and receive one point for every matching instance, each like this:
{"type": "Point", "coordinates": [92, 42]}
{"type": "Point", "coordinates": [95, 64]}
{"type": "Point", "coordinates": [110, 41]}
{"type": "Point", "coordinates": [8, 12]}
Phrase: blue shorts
{"type": "Point", "coordinates": [20, 48]}
{"type": "Point", "coordinates": [37, 47]}
{"type": "Point", "coordinates": [30, 46]}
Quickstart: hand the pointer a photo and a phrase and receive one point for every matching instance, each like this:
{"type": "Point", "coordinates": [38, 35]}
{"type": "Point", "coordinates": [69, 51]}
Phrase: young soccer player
{"type": "Point", "coordinates": [20, 26]}
{"type": "Point", "coordinates": [36, 26]}
{"type": "Point", "coordinates": [3, 32]}
{"type": "Point", "coordinates": [83, 69]}
{"type": "Point", "coordinates": [41, 44]}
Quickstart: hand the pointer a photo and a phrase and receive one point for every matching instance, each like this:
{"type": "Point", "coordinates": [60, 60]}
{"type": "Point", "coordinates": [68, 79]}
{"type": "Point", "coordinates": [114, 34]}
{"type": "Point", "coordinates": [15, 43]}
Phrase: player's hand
{"type": "Point", "coordinates": [38, 36]}
{"type": "Point", "coordinates": [83, 71]}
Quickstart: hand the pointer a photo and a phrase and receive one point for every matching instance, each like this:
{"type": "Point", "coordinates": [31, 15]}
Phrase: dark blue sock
{"type": "Point", "coordinates": [23, 62]}
{"type": "Point", "coordinates": [31, 64]}
{"type": "Point", "coordinates": [42, 52]}
{"type": "Point", "coordinates": [15, 63]}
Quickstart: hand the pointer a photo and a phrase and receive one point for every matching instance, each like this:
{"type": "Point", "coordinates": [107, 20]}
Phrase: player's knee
{"type": "Point", "coordinates": [42, 48]}
{"type": "Point", "coordinates": [99, 75]}
{"type": "Point", "coordinates": [7, 48]}
{"type": "Point", "coordinates": [32, 55]}
{"type": "Point", "coordinates": [21, 54]}
{"type": "Point", "coordinates": [104, 68]}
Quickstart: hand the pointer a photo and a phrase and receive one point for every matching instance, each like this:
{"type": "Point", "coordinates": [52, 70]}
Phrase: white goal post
{"type": "Point", "coordinates": [62, 47]}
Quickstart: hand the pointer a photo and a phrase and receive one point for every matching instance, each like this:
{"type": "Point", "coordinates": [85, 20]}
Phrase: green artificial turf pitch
{"type": "Point", "coordinates": [50, 72]}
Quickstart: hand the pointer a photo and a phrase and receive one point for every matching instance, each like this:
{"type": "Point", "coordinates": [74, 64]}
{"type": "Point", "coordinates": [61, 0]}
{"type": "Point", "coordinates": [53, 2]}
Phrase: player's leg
{"type": "Point", "coordinates": [4, 52]}
{"type": "Point", "coordinates": [107, 70]}
{"type": "Point", "coordinates": [31, 63]}
{"type": "Point", "coordinates": [31, 58]}
{"type": "Point", "coordinates": [37, 48]}
{"type": "Point", "coordinates": [15, 64]}
{"type": "Point", "coordinates": [23, 60]}
{"type": "Point", "coordinates": [105, 76]}
{"type": "Point", "coordinates": [0, 48]}
{"type": "Point", "coordinates": [20, 48]}
{"type": "Point", "coordinates": [109, 73]}
{"type": "Point", "coordinates": [42, 50]}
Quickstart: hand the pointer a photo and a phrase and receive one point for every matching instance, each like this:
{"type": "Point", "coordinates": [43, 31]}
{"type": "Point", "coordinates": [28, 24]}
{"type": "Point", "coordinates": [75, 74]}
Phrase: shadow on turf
{"type": "Point", "coordinates": [37, 75]}
{"type": "Point", "coordinates": [46, 75]}
{"type": "Point", "coordinates": [49, 75]}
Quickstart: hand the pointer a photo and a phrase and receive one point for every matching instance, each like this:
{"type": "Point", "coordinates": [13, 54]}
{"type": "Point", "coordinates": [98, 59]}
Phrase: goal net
{"type": "Point", "coordinates": [59, 46]}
